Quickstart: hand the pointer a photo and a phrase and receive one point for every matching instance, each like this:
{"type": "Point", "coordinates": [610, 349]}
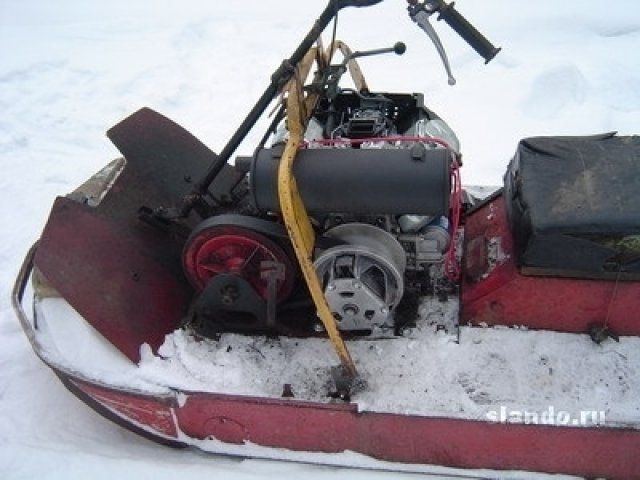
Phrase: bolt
{"type": "Point", "coordinates": [406, 331]}
{"type": "Point", "coordinates": [331, 287]}
{"type": "Point", "coordinates": [229, 295]}
{"type": "Point", "coordinates": [384, 310]}
{"type": "Point", "coordinates": [287, 391]}
{"type": "Point", "coordinates": [357, 285]}
{"type": "Point", "coordinates": [350, 310]}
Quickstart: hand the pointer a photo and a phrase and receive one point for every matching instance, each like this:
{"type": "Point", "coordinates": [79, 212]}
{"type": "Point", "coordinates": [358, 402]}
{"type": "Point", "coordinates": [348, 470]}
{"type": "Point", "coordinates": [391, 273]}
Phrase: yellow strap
{"type": "Point", "coordinates": [295, 216]}
{"type": "Point", "coordinates": [354, 68]}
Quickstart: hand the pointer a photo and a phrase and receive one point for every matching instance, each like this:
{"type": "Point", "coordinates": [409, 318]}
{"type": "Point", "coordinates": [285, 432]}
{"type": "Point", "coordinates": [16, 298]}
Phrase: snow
{"type": "Point", "coordinates": [432, 371]}
{"type": "Point", "coordinates": [71, 69]}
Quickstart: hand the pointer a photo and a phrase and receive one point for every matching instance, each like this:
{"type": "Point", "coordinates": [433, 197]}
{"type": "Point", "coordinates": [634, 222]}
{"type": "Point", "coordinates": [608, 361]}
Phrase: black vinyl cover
{"type": "Point", "coordinates": [573, 205]}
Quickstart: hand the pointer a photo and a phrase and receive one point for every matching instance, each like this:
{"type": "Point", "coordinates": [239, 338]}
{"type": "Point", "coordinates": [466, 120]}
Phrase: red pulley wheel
{"type": "Point", "coordinates": [229, 249]}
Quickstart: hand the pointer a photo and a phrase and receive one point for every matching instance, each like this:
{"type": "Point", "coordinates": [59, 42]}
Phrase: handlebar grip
{"type": "Point", "coordinates": [468, 32]}
{"type": "Point", "coordinates": [340, 4]}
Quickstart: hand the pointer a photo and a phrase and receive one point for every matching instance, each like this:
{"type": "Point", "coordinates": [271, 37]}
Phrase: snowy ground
{"type": "Point", "coordinates": [433, 370]}
{"type": "Point", "coordinates": [70, 69]}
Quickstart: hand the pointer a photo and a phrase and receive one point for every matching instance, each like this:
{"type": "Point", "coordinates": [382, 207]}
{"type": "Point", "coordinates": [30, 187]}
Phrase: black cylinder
{"type": "Point", "coordinates": [359, 181]}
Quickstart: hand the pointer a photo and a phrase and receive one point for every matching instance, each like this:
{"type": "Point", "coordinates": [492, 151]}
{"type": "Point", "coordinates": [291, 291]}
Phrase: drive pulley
{"type": "Point", "coordinates": [362, 277]}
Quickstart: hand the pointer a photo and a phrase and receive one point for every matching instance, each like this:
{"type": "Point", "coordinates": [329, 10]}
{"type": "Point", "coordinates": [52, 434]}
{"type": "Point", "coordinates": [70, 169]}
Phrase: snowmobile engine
{"type": "Point", "coordinates": [378, 190]}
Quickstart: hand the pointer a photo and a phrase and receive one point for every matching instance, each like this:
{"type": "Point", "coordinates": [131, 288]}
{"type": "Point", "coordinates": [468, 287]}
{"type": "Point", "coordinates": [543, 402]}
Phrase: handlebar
{"type": "Point", "coordinates": [355, 3]}
{"type": "Point", "coordinates": [468, 32]}
{"type": "Point", "coordinates": [448, 13]}
{"type": "Point", "coordinates": [421, 10]}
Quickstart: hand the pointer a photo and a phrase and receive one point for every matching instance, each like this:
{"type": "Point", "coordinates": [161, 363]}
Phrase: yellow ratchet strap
{"type": "Point", "coordinates": [294, 214]}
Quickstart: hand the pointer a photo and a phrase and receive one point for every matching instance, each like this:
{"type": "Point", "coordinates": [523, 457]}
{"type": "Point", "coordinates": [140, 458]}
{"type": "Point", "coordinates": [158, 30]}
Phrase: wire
{"type": "Point", "coordinates": [390, 139]}
{"type": "Point", "coordinates": [451, 265]}
{"type": "Point", "coordinates": [613, 297]}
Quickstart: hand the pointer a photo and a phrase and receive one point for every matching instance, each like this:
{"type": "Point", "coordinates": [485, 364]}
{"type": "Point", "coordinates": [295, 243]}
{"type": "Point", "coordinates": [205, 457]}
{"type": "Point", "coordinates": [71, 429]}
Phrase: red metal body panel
{"type": "Point", "coordinates": [121, 274]}
{"type": "Point", "coordinates": [132, 295]}
{"type": "Point", "coordinates": [155, 413]}
{"type": "Point", "coordinates": [333, 428]}
{"type": "Point", "coordinates": [494, 292]}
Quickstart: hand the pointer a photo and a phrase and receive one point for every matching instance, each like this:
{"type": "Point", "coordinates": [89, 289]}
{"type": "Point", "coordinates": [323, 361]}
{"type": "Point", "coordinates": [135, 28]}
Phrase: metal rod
{"type": "Point", "coordinates": [278, 79]}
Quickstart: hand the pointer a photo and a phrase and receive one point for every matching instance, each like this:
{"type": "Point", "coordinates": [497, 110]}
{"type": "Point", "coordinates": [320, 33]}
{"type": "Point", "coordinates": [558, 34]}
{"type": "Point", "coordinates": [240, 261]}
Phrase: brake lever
{"type": "Point", "coordinates": [421, 10]}
{"type": "Point", "coordinates": [420, 14]}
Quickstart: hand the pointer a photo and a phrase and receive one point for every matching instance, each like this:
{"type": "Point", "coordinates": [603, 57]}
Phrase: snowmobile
{"type": "Point", "coordinates": [202, 300]}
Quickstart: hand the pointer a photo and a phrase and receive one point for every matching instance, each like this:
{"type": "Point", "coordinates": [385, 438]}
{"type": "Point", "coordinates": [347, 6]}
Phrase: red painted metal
{"type": "Point", "coordinates": [229, 249]}
{"type": "Point", "coordinates": [333, 428]}
{"type": "Point", "coordinates": [494, 292]}
{"type": "Point", "coordinates": [123, 277]}
{"type": "Point", "coordinates": [155, 413]}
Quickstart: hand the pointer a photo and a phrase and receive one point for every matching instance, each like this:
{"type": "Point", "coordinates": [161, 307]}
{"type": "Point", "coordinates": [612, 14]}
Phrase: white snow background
{"type": "Point", "coordinates": [70, 69]}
